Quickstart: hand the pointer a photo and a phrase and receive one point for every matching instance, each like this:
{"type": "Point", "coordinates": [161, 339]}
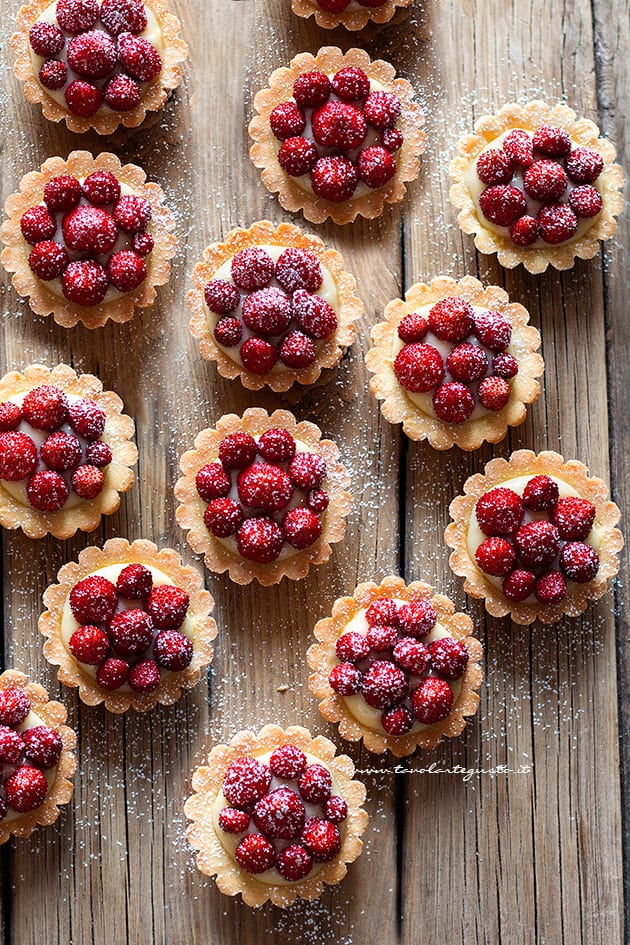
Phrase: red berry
{"type": "Point", "coordinates": [112, 673]}
{"type": "Point", "coordinates": [144, 676]}
{"type": "Point", "coordinates": [138, 57]}
{"type": "Point", "coordinates": [382, 612]}
{"type": "Point", "coordinates": [75, 16]}
{"type": "Point", "coordinates": [504, 365]}
{"type": "Point", "coordinates": [432, 701]}
{"type": "Point", "coordinates": [37, 224]}
{"type": "Point", "coordinates": [252, 268]}
{"type": "Point", "coordinates": [42, 746]}
{"type": "Point", "coordinates": [494, 167]}
{"type": "Point", "coordinates": [83, 98]}
{"type": "Point", "coordinates": [585, 201]}
{"type": "Point", "coordinates": [62, 193]}
{"type": "Point", "coordinates": [126, 270]}
{"type": "Point", "coordinates": [131, 632]}
{"type": "Point", "coordinates": [519, 585]}
{"type": "Point", "coordinates": [417, 618]}
{"type": "Point", "coordinates": [212, 482]}
{"type": "Point", "coordinates": [383, 685]}
{"type": "Point", "coordinates": [540, 494]}
{"type": "Point", "coordinates": [381, 638]}
{"type": "Point", "coordinates": [46, 39]}
{"type": "Point", "coordinates": [132, 213]}
{"type": "Point", "coordinates": [499, 512]}
{"type": "Point", "coordinates": [412, 328]}
{"type": "Point", "coordinates": [467, 363]}
{"type": "Point", "coordinates": [419, 367]}
{"type": "Point", "coordinates": [351, 84]}
{"type": "Point", "coordinates": [537, 543]}
{"type": "Point", "coordinates": [53, 74]}
{"type": "Point", "coordinates": [142, 243]}
{"type": "Point", "coordinates": [228, 332]}
{"type": "Point", "coordinates": [412, 656]}
{"type": "Point", "coordinates": [550, 588]}
{"type": "Point", "coordinates": [122, 94]}
{"type": "Point", "coordinates": [314, 315]}
{"type": "Point", "coordinates": [392, 139]}
{"type": "Point", "coordinates": [260, 540]}
{"type": "Point", "coordinates": [134, 582]}
{"type": "Point", "coordinates": [339, 125]}
{"type": "Point", "coordinates": [87, 481]}
{"type": "Point", "coordinates": [14, 706]}
{"type": "Point", "coordinates": [89, 645]}
{"type": "Point", "coordinates": [318, 500]}
{"type": "Point", "coordinates": [237, 450]}
{"type": "Point", "coordinates": [502, 204]}
{"type": "Point", "coordinates": [10, 416]}
{"type": "Point", "coordinates": [87, 418]}
{"type": "Point", "coordinates": [168, 606]}
{"type": "Point", "coordinates": [307, 471]}
{"type": "Point", "coordinates": [552, 141]}
{"type": "Point", "coordinates": [232, 820]}
{"type": "Point", "coordinates": [223, 517]}
{"type": "Point", "coordinates": [376, 166]}
{"type": "Point", "coordinates": [452, 319]}
{"type": "Point", "coordinates": [294, 862]}
{"type": "Point", "coordinates": [449, 657]}
{"type": "Point", "coordinates": [221, 297]}
{"type": "Point", "coordinates": [579, 562]}
{"type": "Point", "coordinates": [276, 445]}
{"type": "Point", "coordinates": [524, 232]}
{"type": "Point", "coordinates": [495, 556]}
{"type": "Point", "coordinates": [345, 679]}
{"type": "Point", "coordinates": [47, 491]}
{"type": "Point", "coordinates": [352, 647]}
{"type": "Point", "coordinates": [287, 120]}
{"type": "Point", "coordinates": [123, 16]}
{"type": "Point", "coordinates": [574, 518]}
{"type": "Point", "coordinates": [267, 311]}
{"type": "Point", "coordinates": [315, 784]}
{"type": "Point", "coordinates": [298, 269]}
{"type": "Point", "coordinates": [93, 600]}
{"type": "Point", "coordinates": [11, 746]}
{"type": "Point", "coordinates": [322, 839]}
{"type": "Point", "coordinates": [311, 89]}
{"type": "Point", "coordinates": [518, 146]}
{"type": "Point", "coordinates": [545, 180]}
{"type": "Point", "coordinates": [84, 282]}
{"type": "Point", "coordinates": [493, 330]}
{"type": "Point", "coordinates": [45, 407]}
{"type": "Point", "coordinates": [280, 814]}
{"type": "Point", "coordinates": [25, 789]}
{"type": "Point", "coordinates": [494, 393]}
{"type": "Point", "coordinates": [98, 454]}
{"type": "Point", "coordinates": [556, 222]}
{"type": "Point", "coordinates": [334, 178]}
{"type": "Point", "coordinates": [255, 854]}
{"type": "Point", "coordinates": [258, 355]}
{"type": "Point", "coordinates": [297, 156]}
{"type": "Point", "coordinates": [18, 456]}
{"type": "Point", "coordinates": [301, 528]}
{"type": "Point", "coordinates": [584, 165]}
{"type": "Point", "coordinates": [381, 109]}
{"type": "Point", "coordinates": [397, 721]}
{"type": "Point", "coordinates": [288, 761]}
{"type": "Point", "coordinates": [263, 486]}
{"type": "Point", "coordinates": [246, 781]}
{"type": "Point", "coordinates": [48, 260]}
{"type": "Point", "coordinates": [453, 403]}
{"type": "Point", "coordinates": [61, 451]}
{"type": "Point", "coordinates": [92, 54]}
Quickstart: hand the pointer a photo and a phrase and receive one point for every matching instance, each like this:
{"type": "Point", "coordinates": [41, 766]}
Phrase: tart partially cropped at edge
{"type": "Point", "coordinates": [535, 536]}
{"type": "Point", "coordinates": [129, 625]}
{"type": "Point", "coordinates": [276, 815]}
{"type": "Point", "coordinates": [88, 239]}
{"type": "Point", "coordinates": [537, 185]}
{"type": "Point", "coordinates": [353, 14]}
{"type": "Point", "coordinates": [337, 135]}
{"type": "Point", "coordinates": [396, 666]}
{"type": "Point", "coordinates": [98, 65]}
{"type": "Point", "coordinates": [455, 363]}
{"type": "Point", "coordinates": [263, 497]}
{"type": "Point", "coordinates": [36, 757]}
{"type": "Point", "coordinates": [66, 451]}
{"type": "Point", "coordinates": [273, 306]}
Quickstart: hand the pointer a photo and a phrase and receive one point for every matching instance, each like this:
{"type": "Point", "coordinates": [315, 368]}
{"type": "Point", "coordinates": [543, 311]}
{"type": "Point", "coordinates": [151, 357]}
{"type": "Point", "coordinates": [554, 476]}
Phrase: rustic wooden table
{"type": "Point", "coordinates": [486, 858]}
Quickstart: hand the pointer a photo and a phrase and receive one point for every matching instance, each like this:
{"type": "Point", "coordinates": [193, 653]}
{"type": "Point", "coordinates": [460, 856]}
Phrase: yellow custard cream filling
{"type": "Point", "coordinates": [32, 720]}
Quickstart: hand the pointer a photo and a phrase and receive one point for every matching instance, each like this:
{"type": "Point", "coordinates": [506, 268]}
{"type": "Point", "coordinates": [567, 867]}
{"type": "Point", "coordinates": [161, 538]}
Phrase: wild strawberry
{"type": "Point", "coordinates": [83, 98]}
{"type": "Point", "coordinates": [126, 270]}
{"type": "Point", "coordinates": [263, 486]}
{"type": "Point", "coordinates": [123, 16]}
{"type": "Point", "coordinates": [138, 57]}
{"type": "Point", "coordinates": [493, 330]}
{"type": "Point", "coordinates": [540, 494]}
{"type": "Point", "coordinates": [85, 282]}
{"type": "Point", "coordinates": [297, 156]}
{"type": "Point", "coordinates": [376, 166]}
{"type": "Point", "coordinates": [131, 632]}
{"type": "Point", "coordinates": [298, 269]}
{"type": "Point", "coordinates": [494, 167]}
{"type": "Point", "coordinates": [307, 471]}
{"type": "Point", "coordinates": [132, 213]}
{"type": "Point", "coordinates": [89, 645]}
{"type": "Point", "coordinates": [87, 418]}
{"type": "Point", "coordinates": [18, 456]}
{"type": "Point", "coordinates": [301, 528]}
{"type": "Point", "coordinates": [10, 416]}
{"type": "Point", "coordinates": [276, 445]}
{"type": "Point", "coordinates": [144, 676]}
{"type": "Point", "coordinates": [287, 120]}
{"type": "Point", "coordinates": [47, 491]}
{"type": "Point", "coordinates": [382, 612]}
{"type": "Point", "coordinates": [134, 582]}
{"type": "Point", "coordinates": [46, 39]}
{"type": "Point", "coordinates": [255, 854]}
{"type": "Point", "coordinates": [48, 260]}
{"type": "Point", "coordinates": [294, 862]}
{"type": "Point", "coordinates": [452, 319]}
{"type": "Point", "coordinates": [98, 454]}
{"type": "Point", "coordinates": [168, 606]}
{"type": "Point", "coordinates": [432, 701]}
{"type": "Point", "coordinates": [584, 165]}
{"type": "Point", "coordinates": [519, 585]}
{"type": "Point", "coordinates": [333, 6]}
{"type": "Point", "coordinates": [383, 685]}
{"type": "Point", "coordinates": [260, 540]}
{"type": "Point", "coordinates": [351, 84]}
{"type": "Point", "coordinates": [112, 673]}
{"type": "Point", "coordinates": [232, 820]}
{"type": "Point", "coordinates": [142, 243]}
{"type": "Point", "coordinates": [382, 638]}
{"type": "Point", "coordinates": [267, 311]}
{"type": "Point", "coordinates": [297, 350]}
{"type": "Point", "coordinates": [252, 268]}
{"type": "Point", "coordinates": [518, 146]}
{"type": "Point", "coordinates": [212, 482]}
{"type": "Point", "coordinates": [494, 393]}
{"type": "Point", "coordinates": [53, 74]}
{"type": "Point", "coordinates": [585, 201]}
{"type": "Point", "coordinates": [322, 839]}
{"type": "Point", "coordinates": [87, 481]}
{"type": "Point", "coordinates": [499, 512]}
{"type": "Point", "coordinates": [122, 94]}
{"type": "Point", "coordinates": [419, 367]}
{"type": "Point", "coordinates": [545, 180]}
{"type": "Point", "coordinates": [524, 231]}
{"type": "Point", "coordinates": [339, 125]}
{"type": "Point", "coordinates": [237, 450]}
{"type": "Point", "coordinates": [37, 224]}
{"type": "Point", "coordinates": [412, 656]}
{"type": "Point", "coordinates": [42, 746]}
{"type": "Point", "coordinates": [550, 588]}
{"type": "Point", "coordinates": [552, 141]}
{"type": "Point", "coordinates": [453, 402]}
{"type": "Point", "coordinates": [315, 784]}
{"type": "Point", "coordinates": [505, 366]}
{"type": "Point", "coordinates": [93, 600]}
{"type": "Point", "coordinates": [502, 204]}
{"type": "Point", "coordinates": [392, 139]}
{"type": "Point", "coordinates": [223, 517]}
{"type": "Point", "coordinates": [75, 16]}
{"type": "Point", "coordinates": [62, 193]}
{"type": "Point", "coordinates": [574, 518]}
{"type": "Point", "coordinates": [417, 618]}
{"type": "Point", "coordinates": [228, 332]}
{"type": "Point", "coordinates": [92, 54]}
{"type": "Point", "coordinates": [537, 543]}
{"type": "Point", "coordinates": [287, 761]}
{"type": "Point", "coordinates": [467, 363]}
{"type": "Point", "coordinates": [14, 706]}
{"type": "Point", "coordinates": [11, 746]}
{"type": "Point", "coordinates": [61, 451]}
{"type": "Point", "coordinates": [556, 222]}
{"type": "Point", "coordinates": [101, 188]}
{"type": "Point", "coordinates": [579, 562]}
{"type": "Point", "coordinates": [381, 109]}
{"type": "Point", "coordinates": [246, 781]}
{"type": "Point", "coordinates": [25, 789]}
{"type": "Point", "coordinates": [311, 89]}
{"type": "Point", "coordinates": [495, 556]}
{"type": "Point", "coordinates": [314, 315]}
{"type": "Point", "coordinates": [397, 721]}
{"type": "Point", "coordinates": [351, 647]}
{"type": "Point", "coordinates": [280, 814]}
{"type": "Point", "coordinates": [412, 328]}
{"type": "Point", "coordinates": [334, 178]}
{"type": "Point", "coordinates": [45, 407]}
{"type": "Point", "coordinates": [449, 657]}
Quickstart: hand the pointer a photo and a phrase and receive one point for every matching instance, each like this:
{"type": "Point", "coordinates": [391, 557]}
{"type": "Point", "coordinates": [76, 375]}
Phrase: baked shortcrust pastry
{"type": "Point", "coordinates": [535, 537]}
{"type": "Point", "coordinates": [276, 815]}
{"type": "Point", "coordinates": [273, 306]}
{"type": "Point", "coordinates": [537, 185]}
{"type": "Point", "coordinates": [455, 363]}
{"type": "Point", "coordinates": [396, 666]}
{"type": "Point", "coordinates": [263, 497]}
{"type": "Point", "coordinates": [129, 625]}
{"type": "Point", "coordinates": [98, 64]}
{"type": "Point", "coordinates": [337, 135]}
{"type": "Point", "coordinates": [66, 451]}
{"type": "Point", "coordinates": [353, 14]}
{"type": "Point", "coordinates": [88, 239]}
{"type": "Point", "coordinates": [36, 758]}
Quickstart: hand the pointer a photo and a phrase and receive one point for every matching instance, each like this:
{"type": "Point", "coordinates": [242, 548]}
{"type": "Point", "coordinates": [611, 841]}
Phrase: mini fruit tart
{"type": "Point", "coordinates": [537, 186]}
{"type": "Point", "coordinates": [337, 135]}
{"type": "Point", "coordinates": [36, 757]}
{"type": "Point", "coordinates": [353, 14]}
{"type": "Point", "coordinates": [455, 363]}
{"type": "Point", "coordinates": [98, 64]}
{"type": "Point", "coordinates": [66, 451]}
{"type": "Point", "coordinates": [276, 815]}
{"type": "Point", "coordinates": [88, 239]}
{"type": "Point", "coordinates": [396, 666]}
{"type": "Point", "coordinates": [128, 625]}
{"type": "Point", "coordinates": [263, 496]}
{"type": "Point", "coordinates": [535, 537]}
{"type": "Point", "coordinates": [273, 306]}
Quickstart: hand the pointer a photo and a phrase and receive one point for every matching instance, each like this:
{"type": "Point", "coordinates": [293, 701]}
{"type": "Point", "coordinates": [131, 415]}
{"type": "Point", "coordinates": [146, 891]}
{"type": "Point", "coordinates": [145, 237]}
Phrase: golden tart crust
{"type": "Point", "coordinates": [321, 658]}
{"type": "Point", "coordinates": [527, 463]}
{"type": "Point", "coordinates": [292, 197]}
{"type": "Point", "coordinates": [42, 300]}
{"type": "Point", "coordinates": [212, 857]}
{"type": "Point", "coordinates": [173, 52]}
{"type": "Point", "coordinates": [492, 426]}
{"type": "Point", "coordinates": [119, 477]}
{"type": "Point", "coordinates": [530, 117]}
{"type": "Point", "coordinates": [264, 233]}
{"type": "Point", "coordinates": [353, 17]}
{"type": "Point", "coordinates": [190, 511]}
{"type": "Point", "coordinates": [52, 714]}
{"type": "Point", "coordinates": [118, 551]}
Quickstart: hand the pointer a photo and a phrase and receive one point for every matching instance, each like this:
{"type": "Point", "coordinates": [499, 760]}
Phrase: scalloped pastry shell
{"type": "Point", "coordinates": [15, 255]}
{"type": "Point", "coordinates": [54, 715]}
{"type": "Point", "coordinates": [119, 476]}
{"type": "Point", "coordinates": [189, 513]}
{"type": "Point", "coordinates": [530, 117]}
{"type": "Point", "coordinates": [350, 307]}
{"type": "Point", "coordinates": [321, 658]}
{"type": "Point", "coordinates": [528, 463]}
{"type": "Point", "coordinates": [292, 197]}
{"type": "Point", "coordinates": [174, 51]}
{"type": "Point", "coordinates": [119, 551]}
{"type": "Point", "coordinates": [211, 856]}
{"type": "Point", "coordinates": [397, 407]}
{"type": "Point", "coordinates": [353, 18]}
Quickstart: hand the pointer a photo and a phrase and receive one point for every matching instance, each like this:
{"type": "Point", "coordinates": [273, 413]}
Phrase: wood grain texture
{"type": "Point", "coordinates": [518, 857]}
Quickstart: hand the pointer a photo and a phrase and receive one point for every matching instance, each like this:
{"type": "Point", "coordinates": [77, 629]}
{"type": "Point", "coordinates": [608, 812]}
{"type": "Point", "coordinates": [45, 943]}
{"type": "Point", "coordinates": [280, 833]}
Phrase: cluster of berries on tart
{"type": "Point", "coordinates": [477, 369]}
{"type": "Point", "coordinates": [270, 311]}
{"type": "Point", "coordinates": [539, 185]}
{"type": "Point", "coordinates": [53, 446]}
{"type": "Point", "coordinates": [94, 53]}
{"type": "Point", "coordinates": [90, 236]}
{"type": "Point", "coordinates": [285, 812]}
{"type": "Point", "coordinates": [264, 494]}
{"type": "Point", "coordinates": [338, 133]}
{"type": "Point", "coordinates": [130, 632]}
{"type": "Point", "coordinates": [394, 671]}
{"type": "Point", "coordinates": [536, 542]}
